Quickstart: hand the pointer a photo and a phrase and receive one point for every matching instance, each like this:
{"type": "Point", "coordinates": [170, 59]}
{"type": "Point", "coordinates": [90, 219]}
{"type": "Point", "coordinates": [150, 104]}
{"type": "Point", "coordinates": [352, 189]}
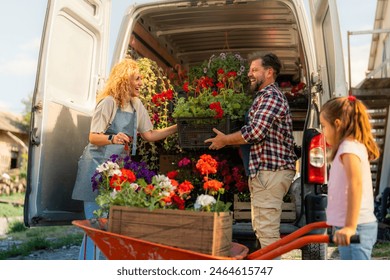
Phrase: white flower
{"type": "Point", "coordinates": [113, 193]}
{"type": "Point", "coordinates": [204, 200]}
{"type": "Point", "coordinates": [165, 193]}
{"type": "Point", "coordinates": [102, 167]}
{"type": "Point", "coordinates": [134, 186]}
{"type": "Point", "coordinates": [164, 183]}
{"type": "Point", "coordinates": [113, 172]}
{"type": "Point", "coordinates": [161, 178]}
{"type": "Point", "coordinates": [109, 166]}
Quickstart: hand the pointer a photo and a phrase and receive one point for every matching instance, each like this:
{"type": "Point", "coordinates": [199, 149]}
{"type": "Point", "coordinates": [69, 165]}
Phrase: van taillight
{"type": "Point", "coordinates": [317, 155]}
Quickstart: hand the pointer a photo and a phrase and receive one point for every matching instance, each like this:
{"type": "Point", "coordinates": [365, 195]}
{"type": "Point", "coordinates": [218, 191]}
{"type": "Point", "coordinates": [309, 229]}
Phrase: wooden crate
{"type": "Point", "coordinates": [242, 211]}
{"type": "Point", "coordinates": [167, 163]}
{"type": "Point", "coordinates": [204, 232]}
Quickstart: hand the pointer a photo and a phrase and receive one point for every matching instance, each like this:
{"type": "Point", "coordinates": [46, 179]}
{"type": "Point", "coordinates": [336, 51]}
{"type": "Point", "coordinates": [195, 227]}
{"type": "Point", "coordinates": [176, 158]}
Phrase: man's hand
{"type": "Point", "coordinates": [218, 141]}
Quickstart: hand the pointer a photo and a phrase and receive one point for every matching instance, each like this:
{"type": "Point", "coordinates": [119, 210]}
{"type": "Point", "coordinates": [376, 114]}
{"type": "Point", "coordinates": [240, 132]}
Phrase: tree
{"type": "Point", "coordinates": [27, 102]}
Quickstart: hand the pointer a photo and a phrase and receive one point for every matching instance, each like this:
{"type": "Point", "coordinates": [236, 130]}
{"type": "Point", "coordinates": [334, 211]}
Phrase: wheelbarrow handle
{"type": "Point", "coordinates": [295, 240]}
{"type": "Point", "coordinates": [291, 237]}
{"type": "Point", "coordinates": [295, 244]}
{"type": "Point", "coordinates": [355, 239]}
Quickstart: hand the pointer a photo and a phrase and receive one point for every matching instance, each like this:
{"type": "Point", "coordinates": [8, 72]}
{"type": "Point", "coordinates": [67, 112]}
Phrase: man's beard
{"type": "Point", "coordinates": [254, 87]}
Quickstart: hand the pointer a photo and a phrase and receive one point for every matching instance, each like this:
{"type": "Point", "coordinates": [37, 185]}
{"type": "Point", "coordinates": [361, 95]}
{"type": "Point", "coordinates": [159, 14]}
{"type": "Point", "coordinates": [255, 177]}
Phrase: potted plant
{"type": "Point", "coordinates": [158, 208]}
{"type": "Point", "coordinates": [214, 96]}
{"type": "Point", "coordinates": [158, 96]}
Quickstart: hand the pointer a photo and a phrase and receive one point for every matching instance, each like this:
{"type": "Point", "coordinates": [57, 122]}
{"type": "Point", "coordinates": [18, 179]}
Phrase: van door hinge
{"type": "Point", "coordinates": [34, 138]}
{"type": "Point", "coordinates": [37, 107]}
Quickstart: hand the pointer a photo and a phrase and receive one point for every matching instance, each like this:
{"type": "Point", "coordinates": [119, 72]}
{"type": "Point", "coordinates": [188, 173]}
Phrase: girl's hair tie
{"type": "Point", "coordinates": [351, 98]}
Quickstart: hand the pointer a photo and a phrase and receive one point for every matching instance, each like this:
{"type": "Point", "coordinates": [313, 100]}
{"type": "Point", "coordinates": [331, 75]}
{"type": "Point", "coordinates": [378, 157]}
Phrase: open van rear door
{"type": "Point", "coordinates": [328, 46]}
{"type": "Point", "coordinates": [72, 62]}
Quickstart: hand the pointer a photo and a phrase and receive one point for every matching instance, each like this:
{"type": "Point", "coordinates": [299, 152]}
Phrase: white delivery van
{"type": "Point", "coordinates": [72, 67]}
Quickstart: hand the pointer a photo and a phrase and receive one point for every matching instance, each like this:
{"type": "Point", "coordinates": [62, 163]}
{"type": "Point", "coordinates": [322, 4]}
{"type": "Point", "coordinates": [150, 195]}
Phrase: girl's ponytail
{"type": "Point", "coordinates": [354, 121]}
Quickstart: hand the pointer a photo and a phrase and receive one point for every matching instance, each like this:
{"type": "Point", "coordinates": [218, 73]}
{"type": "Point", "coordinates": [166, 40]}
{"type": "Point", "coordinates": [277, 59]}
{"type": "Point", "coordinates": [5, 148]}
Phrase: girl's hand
{"type": "Point", "coordinates": [342, 237]}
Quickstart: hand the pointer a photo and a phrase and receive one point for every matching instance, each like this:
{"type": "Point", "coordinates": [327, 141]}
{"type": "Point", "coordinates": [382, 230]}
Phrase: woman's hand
{"type": "Point", "coordinates": [121, 138]}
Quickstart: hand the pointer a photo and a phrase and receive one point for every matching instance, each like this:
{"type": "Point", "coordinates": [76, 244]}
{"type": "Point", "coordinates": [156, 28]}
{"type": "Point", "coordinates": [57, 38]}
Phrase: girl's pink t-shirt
{"type": "Point", "coordinates": [338, 186]}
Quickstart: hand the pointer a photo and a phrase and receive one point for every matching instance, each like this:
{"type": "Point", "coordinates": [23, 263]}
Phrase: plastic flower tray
{"type": "Point", "coordinates": [193, 131]}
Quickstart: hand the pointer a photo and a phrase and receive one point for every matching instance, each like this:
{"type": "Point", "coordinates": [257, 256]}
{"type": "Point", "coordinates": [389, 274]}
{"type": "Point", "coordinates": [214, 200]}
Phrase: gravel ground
{"type": "Point", "coordinates": [71, 253]}
{"type": "Point", "coordinates": [65, 253]}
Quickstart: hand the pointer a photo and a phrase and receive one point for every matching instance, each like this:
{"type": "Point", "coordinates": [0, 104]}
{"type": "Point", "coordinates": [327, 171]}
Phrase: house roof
{"type": "Point", "coordinates": [11, 122]}
{"type": "Point", "coordinates": [379, 23]}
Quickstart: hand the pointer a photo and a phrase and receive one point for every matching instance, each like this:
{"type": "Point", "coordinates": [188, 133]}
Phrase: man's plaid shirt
{"type": "Point", "coordinates": [269, 130]}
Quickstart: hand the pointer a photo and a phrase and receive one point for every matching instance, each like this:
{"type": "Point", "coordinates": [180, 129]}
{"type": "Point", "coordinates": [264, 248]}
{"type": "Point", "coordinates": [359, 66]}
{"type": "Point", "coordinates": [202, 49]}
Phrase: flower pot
{"type": "Point", "coordinates": [167, 163]}
{"type": "Point", "coordinates": [205, 232]}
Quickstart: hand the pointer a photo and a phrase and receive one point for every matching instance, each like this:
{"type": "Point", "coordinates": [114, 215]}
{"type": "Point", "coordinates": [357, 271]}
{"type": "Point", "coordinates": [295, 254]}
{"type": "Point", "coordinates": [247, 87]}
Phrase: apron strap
{"type": "Point", "coordinates": [134, 149]}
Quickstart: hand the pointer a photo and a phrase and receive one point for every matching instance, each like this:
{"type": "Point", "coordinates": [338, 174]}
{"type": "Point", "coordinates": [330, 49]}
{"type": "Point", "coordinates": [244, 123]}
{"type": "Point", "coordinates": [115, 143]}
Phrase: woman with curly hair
{"type": "Point", "coordinates": [118, 117]}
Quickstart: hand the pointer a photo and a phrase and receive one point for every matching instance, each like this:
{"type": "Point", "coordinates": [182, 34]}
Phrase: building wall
{"type": "Point", "coordinates": [383, 47]}
{"type": "Point", "coordinates": [10, 151]}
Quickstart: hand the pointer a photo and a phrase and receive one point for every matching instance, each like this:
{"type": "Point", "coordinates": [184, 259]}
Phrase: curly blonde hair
{"type": "Point", "coordinates": [120, 83]}
{"type": "Point", "coordinates": [355, 122]}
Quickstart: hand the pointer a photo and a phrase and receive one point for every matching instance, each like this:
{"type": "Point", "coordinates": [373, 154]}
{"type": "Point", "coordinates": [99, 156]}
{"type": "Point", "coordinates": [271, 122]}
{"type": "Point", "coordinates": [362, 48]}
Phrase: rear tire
{"type": "Point", "coordinates": [314, 251]}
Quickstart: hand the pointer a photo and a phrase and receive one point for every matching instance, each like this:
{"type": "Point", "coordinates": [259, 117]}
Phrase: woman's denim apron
{"type": "Point", "coordinates": [92, 157]}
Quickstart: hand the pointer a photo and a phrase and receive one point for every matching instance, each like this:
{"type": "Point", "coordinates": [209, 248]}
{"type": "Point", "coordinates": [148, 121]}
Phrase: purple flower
{"type": "Point", "coordinates": [96, 180]}
{"type": "Point", "coordinates": [140, 170]}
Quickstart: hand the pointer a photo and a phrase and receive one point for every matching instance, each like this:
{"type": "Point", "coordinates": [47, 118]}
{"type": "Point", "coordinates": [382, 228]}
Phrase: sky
{"type": "Point", "coordinates": [21, 29]}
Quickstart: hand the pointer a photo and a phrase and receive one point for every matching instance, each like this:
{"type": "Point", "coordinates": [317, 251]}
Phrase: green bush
{"type": "Point", "coordinates": [16, 226]}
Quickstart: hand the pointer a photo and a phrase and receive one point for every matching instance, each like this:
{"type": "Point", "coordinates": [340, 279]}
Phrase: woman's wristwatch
{"type": "Point", "coordinates": [111, 138]}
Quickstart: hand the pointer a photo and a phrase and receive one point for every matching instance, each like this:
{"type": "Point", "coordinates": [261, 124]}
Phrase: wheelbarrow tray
{"type": "Point", "coordinates": [120, 247]}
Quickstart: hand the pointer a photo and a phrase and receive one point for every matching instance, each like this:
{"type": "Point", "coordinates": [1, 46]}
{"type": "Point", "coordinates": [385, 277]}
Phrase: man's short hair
{"type": "Point", "coordinates": [267, 60]}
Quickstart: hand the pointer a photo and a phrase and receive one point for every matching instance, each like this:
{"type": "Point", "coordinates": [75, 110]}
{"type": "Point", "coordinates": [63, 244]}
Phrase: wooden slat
{"type": "Point", "coordinates": [242, 210]}
{"type": "Point", "coordinates": [210, 232]}
{"type": "Point", "coordinates": [151, 41]}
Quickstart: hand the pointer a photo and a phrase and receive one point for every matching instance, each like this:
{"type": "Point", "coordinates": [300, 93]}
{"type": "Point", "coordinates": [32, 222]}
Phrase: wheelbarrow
{"type": "Point", "coordinates": [120, 247]}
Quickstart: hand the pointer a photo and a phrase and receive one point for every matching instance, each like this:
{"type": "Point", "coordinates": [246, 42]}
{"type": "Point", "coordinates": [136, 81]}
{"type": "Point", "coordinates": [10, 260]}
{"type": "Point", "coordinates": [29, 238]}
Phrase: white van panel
{"type": "Point", "coordinates": [328, 46]}
{"type": "Point", "coordinates": [72, 61]}
{"type": "Point", "coordinates": [80, 47]}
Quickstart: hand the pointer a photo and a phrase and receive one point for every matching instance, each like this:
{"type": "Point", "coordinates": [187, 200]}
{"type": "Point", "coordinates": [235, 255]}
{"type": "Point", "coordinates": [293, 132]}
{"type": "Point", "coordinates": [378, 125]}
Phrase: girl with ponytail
{"type": "Point", "coordinates": [347, 130]}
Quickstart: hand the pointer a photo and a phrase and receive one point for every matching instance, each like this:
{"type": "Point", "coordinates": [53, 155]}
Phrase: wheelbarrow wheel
{"type": "Point", "coordinates": [314, 251]}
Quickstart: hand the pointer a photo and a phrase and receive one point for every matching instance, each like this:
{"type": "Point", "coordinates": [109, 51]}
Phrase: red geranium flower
{"type": "Point", "coordinates": [116, 182]}
{"type": "Point", "coordinates": [185, 188]}
{"type": "Point", "coordinates": [128, 175]}
{"type": "Point", "coordinates": [172, 174]}
{"type": "Point", "coordinates": [216, 106]}
{"type": "Point", "coordinates": [212, 186]}
{"type": "Point", "coordinates": [207, 165]}
{"type": "Point", "coordinates": [179, 202]}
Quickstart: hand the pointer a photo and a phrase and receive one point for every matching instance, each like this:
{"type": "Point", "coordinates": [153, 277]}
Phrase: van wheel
{"type": "Point", "coordinates": [314, 252]}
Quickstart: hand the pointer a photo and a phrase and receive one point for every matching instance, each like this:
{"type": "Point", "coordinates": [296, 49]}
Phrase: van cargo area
{"type": "Point", "coordinates": [179, 35]}
{"type": "Point", "coordinates": [184, 34]}
{"type": "Point", "coordinates": [189, 33]}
